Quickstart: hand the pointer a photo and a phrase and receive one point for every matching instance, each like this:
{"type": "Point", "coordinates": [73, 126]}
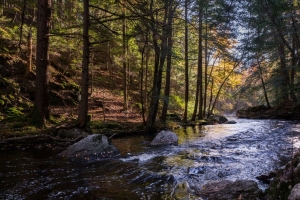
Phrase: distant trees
{"type": "Point", "coordinates": [274, 36]}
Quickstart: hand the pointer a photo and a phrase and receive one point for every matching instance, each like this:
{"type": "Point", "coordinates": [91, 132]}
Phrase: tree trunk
{"type": "Point", "coordinates": [284, 73]}
{"type": "Point", "coordinates": [199, 92]}
{"type": "Point", "coordinates": [209, 110]}
{"type": "Point", "coordinates": [125, 74]}
{"type": "Point", "coordinates": [143, 92]}
{"type": "Point", "coordinates": [169, 62]}
{"type": "Point", "coordinates": [294, 64]}
{"type": "Point", "coordinates": [29, 53]}
{"type": "Point", "coordinates": [212, 86]}
{"type": "Point", "coordinates": [160, 55]}
{"type": "Point", "coordinates": [186, 59]}
{"type": "Point", "coordinates": [224, 81]}
{"type": "Point", "coordinates": [41, 111]}
{"type": "Point", "coordinates": [83, 105]}
{"type": "Point", "coordinates": [263, 83]}
{"type": "Point", "coordinates": [205, 64]}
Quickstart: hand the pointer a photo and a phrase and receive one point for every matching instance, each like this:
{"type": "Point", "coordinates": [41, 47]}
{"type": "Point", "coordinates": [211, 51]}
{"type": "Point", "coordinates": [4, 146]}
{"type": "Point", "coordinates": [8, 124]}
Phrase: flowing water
{"type": "Point", "coordinates": [220, 152]}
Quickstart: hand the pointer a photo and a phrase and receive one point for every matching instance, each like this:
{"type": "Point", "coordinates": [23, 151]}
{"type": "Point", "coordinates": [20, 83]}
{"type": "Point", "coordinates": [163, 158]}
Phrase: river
{"type": "Point", "coordinates": [219, 152]}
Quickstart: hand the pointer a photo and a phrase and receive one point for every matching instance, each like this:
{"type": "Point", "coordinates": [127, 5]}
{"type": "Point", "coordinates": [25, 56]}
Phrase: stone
{"type": "Point", "coordinates": [93, 147]}
{"type": "Point", "coordinates": [230, 122]}
{"type": "Point", "coordinates": [227, 190]}
{"type": "Point", "coordinates": [165, 138]}
{"type": "Point", "coordinates": [295, 193]}
{"type": "Point", "coordinates": [220, 119]}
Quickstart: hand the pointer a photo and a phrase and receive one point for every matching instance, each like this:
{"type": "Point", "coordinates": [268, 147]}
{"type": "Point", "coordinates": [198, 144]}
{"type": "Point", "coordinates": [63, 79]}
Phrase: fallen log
{"type": "Point", "coordinates": [42, 136]}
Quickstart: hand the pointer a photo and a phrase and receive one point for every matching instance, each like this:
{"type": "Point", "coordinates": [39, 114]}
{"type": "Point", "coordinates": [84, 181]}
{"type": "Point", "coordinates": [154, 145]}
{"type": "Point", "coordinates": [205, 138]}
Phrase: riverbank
{"type": "Point", "coordinates": [288, 110]}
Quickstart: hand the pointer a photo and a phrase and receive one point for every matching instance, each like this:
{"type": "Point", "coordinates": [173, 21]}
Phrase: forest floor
{"type": "Point", "coordinates": [106, 104]}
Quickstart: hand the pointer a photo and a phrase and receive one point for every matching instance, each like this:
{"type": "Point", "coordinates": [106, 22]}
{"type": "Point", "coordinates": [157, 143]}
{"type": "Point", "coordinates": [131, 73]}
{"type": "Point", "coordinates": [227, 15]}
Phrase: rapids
{"type": "Point", "coordinates": [219, 152]}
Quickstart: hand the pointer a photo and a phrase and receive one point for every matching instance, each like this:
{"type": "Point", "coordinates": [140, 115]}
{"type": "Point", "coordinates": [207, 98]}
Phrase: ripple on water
{"type": "Point", "coordinates": [221, 152]}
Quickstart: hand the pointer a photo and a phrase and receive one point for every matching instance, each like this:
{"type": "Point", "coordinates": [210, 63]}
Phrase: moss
{"type": "Point", "coordinates": [12, 112]}
{"type": "Point", "coordinates": [100, 126]}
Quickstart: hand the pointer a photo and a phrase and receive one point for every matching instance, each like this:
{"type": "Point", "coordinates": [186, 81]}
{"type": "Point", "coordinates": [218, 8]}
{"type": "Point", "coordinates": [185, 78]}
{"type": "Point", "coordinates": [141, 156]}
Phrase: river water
{"type": "Point", "coordinates": [220, 152]}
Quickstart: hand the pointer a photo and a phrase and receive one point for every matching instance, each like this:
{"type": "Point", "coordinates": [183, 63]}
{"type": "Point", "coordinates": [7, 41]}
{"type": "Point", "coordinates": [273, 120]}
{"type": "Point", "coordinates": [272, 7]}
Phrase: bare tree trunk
{"type": "Point", "coordinates": [125, 74]}
{"type": "Point", "coordinates": [169, 61]}
{"type": "Point", "coordinates": [200, 64]}
{"type": "Point", "coordinates": [209, 110]}
{"type": "Point", "coordinates": [41, 111]}
{"type": "Point", "coordinates": [29, 53]}
{"type": "Point", "coordinates": [212, 86]}
{"type": "Point", "coordinates": [22, 22]}
{"type": "Point", "coordinates": [83, 105]}
{"type": "Point", "coordinates": [160, 55]}
{"type": "Point", "coordinates": [284, 73]}
{"type": "Point", "coordinates": [199, 92]}
{"type": "Point", "coordinates": [205, 64]}
{"type": "Point", "coordinates": [224, 81]}
{"type": "Point", "coordinates": [263, 83]}
{"type": "Point", "coordinates": [142, 80]}
{"type": "Point", "coordinates": [186, 59]}
{"type": "Point", "coordinates": [293, 71]}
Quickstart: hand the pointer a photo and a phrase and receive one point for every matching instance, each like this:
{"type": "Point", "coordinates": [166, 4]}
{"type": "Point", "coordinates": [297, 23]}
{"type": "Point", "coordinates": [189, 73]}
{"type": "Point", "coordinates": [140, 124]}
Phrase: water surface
{"type": "Point", "coordinates": [209, 153]}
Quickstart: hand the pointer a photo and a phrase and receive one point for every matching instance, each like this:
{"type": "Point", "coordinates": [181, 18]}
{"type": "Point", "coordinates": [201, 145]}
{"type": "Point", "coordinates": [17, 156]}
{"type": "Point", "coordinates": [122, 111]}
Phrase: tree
{"type": "Point", "coordinates": [186, 61]}
{"type": "Point", "coordinates": [160, 56]}
{"type": "Point", "coordinates": [41, 112]}
{"type": "Point", "coordinates": [83, 105]}
{"type": "Point", "coordinates": [199, 90]}
{"type": "Point", "coordinates": [169, 33]}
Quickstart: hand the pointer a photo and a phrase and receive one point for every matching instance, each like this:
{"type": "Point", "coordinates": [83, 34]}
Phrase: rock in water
{"type": "Point", "coordinates": [227, 190]}
{"type": "Point", "coordinates": [218, 118]}
{"type": "Point", "coordinates": [295, 193]}
{"type": "Point", "coordinates": [165, 138]}
{"type": "Point", "coordinates": [92, 147]}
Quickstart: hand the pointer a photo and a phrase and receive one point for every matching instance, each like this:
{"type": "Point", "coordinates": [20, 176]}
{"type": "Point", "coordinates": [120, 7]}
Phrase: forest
{"type": "Point", "coordinates": [189, 58]}
{"type": "Point", "coordinates": [132, 66]}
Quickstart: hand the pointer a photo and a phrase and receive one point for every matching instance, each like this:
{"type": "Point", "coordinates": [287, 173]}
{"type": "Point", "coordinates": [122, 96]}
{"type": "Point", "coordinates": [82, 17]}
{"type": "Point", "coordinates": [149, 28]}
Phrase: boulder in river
{"type": "Point", "coordinates": [165, 138]}
{"type": "Point", "coordinates": [220, 119]}
{"type": "Point", "coordinates": [295, 193]}
{"type": "Point", "coordinates": [92, 147]}
{"type": "Point", "coordinates": [225, 190]}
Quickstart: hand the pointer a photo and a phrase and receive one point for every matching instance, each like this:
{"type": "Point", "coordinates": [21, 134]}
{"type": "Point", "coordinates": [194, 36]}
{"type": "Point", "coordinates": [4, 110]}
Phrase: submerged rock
{"type": "Point", "coordinates": [165, 138]}
{"type": "Point", "coordinates": [228, 190]}
{"type": "Point", "coordinates": [92, 147]}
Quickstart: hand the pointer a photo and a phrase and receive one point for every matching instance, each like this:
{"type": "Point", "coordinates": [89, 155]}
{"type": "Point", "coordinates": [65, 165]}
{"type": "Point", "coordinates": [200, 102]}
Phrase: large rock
{"type": "Point", "coordinates": [92, 147]}
{"type": "Point", "coordinates": [228, 190]}
{"type": "Point", "coordinates": [295, 193]}
{"type": "Point", "coordinates": [165, 138]}
{"type": "Point", "coordinates": [220, 119]}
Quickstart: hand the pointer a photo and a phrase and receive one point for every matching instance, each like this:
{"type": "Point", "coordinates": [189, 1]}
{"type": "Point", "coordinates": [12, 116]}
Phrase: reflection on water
{"type": "Point", "coordinates": [221, 152]}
